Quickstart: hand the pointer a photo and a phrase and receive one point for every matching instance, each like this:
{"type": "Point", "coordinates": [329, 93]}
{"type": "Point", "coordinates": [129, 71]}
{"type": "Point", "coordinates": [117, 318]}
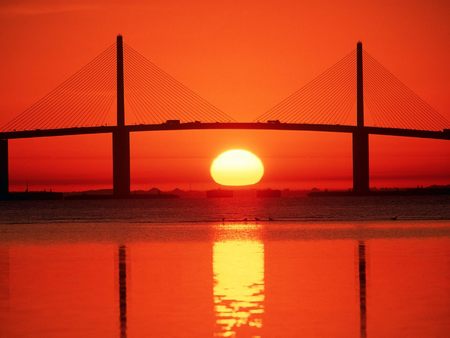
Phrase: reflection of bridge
{"type": "Point", "coordinates": [82, 105]}
{"type": "Point", "coordinates": [248, 286]}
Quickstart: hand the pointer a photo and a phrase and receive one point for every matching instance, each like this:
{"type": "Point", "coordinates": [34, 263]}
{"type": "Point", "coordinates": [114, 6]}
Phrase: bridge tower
{"type": "Point", "coordinates": [121, 136]}
{"type": "Point", "coordinates": [360, 138]}
{"type": "Point", "coordinates": [4, 173]}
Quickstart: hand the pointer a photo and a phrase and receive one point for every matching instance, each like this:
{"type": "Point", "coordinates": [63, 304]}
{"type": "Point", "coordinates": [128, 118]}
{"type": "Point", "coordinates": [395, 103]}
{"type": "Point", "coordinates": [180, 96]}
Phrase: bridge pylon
{"type": "Point", "coordinates": [121, 136]}
{"type": "Point", "coordinates": [360, 137]}
{"type": "Point", "coordinates": [4, 167]}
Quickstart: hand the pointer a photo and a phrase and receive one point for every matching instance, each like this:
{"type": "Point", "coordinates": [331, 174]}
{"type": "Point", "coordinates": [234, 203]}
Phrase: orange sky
{"type": "Point", "coordinates": [242, 56]}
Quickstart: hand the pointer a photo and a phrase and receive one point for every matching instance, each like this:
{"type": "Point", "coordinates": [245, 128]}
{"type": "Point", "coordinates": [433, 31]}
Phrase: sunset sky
{"type": "Point", "coordinates": [243, 57]}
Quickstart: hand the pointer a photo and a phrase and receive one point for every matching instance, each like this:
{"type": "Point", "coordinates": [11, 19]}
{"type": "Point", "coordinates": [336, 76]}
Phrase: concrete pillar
{"type": "Point", "coordinates": [120, 83]}
{"type": "Point", "coordinates": [360, 143]}
{"type": "Point", "coordinates": [121, 136]}
{"type": "Point", "coordinates": [359, 86]}
{"type": "Point", "coordinates": [121, 162]}
{"type": "Point", "coordinates": [4, 168]}
{"type": "Point", "coordinates": [360, 138]}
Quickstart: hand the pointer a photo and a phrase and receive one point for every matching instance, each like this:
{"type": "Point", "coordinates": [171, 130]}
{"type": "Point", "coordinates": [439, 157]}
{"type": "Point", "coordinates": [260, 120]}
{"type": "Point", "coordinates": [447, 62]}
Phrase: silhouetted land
{"type": "Point", "coordinates": [32, 195]}
{"type": "Point", "coordinates": [85, 195]}
{"type": "Point", "coordinates": [155, 193]}
{"type": "Point", "coordinates": [432, 190]}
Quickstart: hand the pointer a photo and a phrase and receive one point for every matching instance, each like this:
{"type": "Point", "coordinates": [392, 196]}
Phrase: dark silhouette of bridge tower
{"type": "Point", "coordinates": [360, 137]}
{"type": "Point", "coordinates": [121, 136]}
{"type": "Point", "coordinates": [4, 167]}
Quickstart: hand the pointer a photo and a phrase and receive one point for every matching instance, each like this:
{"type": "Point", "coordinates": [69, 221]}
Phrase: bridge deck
{"type": "Point", "coordinates": [443, 135]}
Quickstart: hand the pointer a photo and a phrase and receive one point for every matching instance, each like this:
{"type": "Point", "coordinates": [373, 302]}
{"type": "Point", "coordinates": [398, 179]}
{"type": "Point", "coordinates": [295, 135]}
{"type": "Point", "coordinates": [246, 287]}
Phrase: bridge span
{"type": "Point", "coordinates": [171, 126]}
{"type": "Point", "coordinates": [66, 99]}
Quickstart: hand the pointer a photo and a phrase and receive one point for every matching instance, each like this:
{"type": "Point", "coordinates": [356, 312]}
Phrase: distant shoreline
{"type": "Point", "coordinates": [155, 193]}
{"type": "Point", "coordinates": [386, 192]}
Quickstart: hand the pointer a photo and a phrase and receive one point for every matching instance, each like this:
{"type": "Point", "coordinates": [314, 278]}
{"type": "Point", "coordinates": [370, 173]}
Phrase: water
{"type": "Point", "coordinates": [230, 209]}
{"type": "Point", "coordinates": [324, 267]}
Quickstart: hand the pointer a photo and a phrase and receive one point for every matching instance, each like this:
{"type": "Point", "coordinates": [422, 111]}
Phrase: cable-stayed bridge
{"type": "Point", "coordinates": [357, 95]}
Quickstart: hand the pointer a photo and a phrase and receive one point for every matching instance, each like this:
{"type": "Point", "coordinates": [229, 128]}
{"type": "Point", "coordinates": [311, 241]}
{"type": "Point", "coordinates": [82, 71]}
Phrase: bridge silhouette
{"type": "Point", "coordinates": [357, 95]}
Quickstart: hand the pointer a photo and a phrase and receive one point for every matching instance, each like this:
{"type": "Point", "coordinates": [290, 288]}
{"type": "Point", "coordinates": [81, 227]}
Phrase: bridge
{"type": "Point", "coordinates": [336, 101]}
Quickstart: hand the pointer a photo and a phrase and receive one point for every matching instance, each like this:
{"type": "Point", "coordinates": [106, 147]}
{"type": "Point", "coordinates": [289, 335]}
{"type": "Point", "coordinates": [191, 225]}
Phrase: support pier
{"type": "Point", "coordinates": [360, 138]}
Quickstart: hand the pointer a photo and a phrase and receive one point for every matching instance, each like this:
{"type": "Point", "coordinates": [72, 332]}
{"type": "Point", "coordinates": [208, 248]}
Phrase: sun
{"type": "Point", "coordinates": [237, 167]}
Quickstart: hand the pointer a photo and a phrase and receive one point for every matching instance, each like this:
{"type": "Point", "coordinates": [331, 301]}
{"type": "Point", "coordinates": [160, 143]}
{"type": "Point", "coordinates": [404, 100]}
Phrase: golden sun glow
{"type": "Point", "coordinates": [237, 167]}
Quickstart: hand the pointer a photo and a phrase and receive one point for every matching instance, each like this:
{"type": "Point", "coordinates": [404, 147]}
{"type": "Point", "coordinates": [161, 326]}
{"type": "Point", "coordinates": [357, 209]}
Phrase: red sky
{"type": "Point", "coordinates": [242, 56]}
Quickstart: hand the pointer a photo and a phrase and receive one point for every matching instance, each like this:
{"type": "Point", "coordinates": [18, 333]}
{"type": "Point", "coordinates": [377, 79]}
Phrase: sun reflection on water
{"type": "Point", "coordinates": [238, 266]}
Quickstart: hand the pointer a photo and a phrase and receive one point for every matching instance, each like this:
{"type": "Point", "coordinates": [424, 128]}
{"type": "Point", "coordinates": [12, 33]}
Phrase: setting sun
{"type": "Point", "coordinates": [237, 167]}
